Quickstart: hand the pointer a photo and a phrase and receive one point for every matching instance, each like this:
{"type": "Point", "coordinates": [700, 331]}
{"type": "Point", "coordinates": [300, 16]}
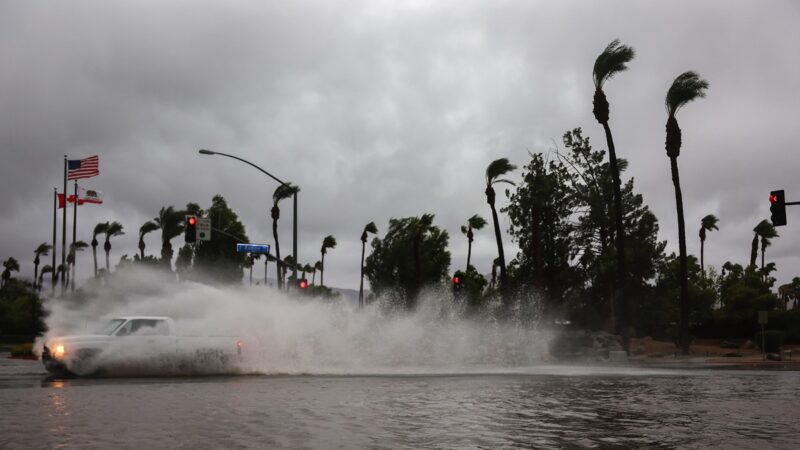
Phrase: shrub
{"type": "Point", "coordinates": [22, 350]}
{"type": "Point", "coordinates": [772, 340]}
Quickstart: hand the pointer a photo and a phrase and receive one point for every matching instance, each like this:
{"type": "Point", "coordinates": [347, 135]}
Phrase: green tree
{"type": "Point", "coordinates": [328, 243]}
{"type": "Point", "coordinates": [475, 222]}
{"type": "Point", "coordinates": [113, 229]}
{"type": "Point", "coordinates": [288, 264]}
{"type": "Point", "coordinates": [217, 260]}
{"type": "Point", "coordinates": [98, 229]}
{"type": "Point", "coordinates": [687, 87]}
{"type": "Point", "coordinates": [170, 221]}
{"type": "Point", "coordinates": [9, 265]}
{"type": "Point", "coordinates": [368, 228]}
{"type": "Point", "coordinates": [612, 60]}
{"type": "Point", "coordinates": [392, 268]}
{"type": "Point", "coordinates": [494, 171]}
{"type": "Point", "coordinates": [147, 227]}
{"type": "Point", "coordinates": [707, 223]}
{"type": "Point", "coordinates": [42, 250]}
{"type": "Point", "coordinates": [539, 211]}
{"type": "Point", "coordinates": [20, 309]}
{"type": "Point", "coordinates": [282, 192]}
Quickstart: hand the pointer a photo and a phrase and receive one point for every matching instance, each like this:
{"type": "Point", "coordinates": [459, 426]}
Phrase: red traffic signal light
{"type": "Point", "coordinates": [777, 208]}
{"type": "Point", "coordinates": [302, 283]}
{"type": "Point", "coordinates": [190, 229]}
{"type": "Point", "coordinates": [456, 280]}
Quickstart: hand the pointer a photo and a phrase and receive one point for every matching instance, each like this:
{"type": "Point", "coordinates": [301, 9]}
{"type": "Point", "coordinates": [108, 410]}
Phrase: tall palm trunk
{"type": "Point", "coordinates": [490, 195]}
{"type": "Point", "coordinates": [313, 277]}
{"type": "Point", "coordinates": [322, 271]}
{"type": "Point", "coordinates": [94, 255]}
{"type": "Point", "coordinates": [35, 272]}
{"type": "Point", "coordinates": [361, 287]}
{"type": "Point", "coordinates": [702, 262]}
{"type": "Point", "coordinates": [141, 249]}
{"type": "Point", "coordinates": [684, 299]}
{"type": "Point", "coordinates": [107, 248]}
{"type": "Point", "coordinates": [275, 216]}
{"type": "Point", "coordinates": [622, 272]}
{"type": "Point", "coordinates": [754, 250]}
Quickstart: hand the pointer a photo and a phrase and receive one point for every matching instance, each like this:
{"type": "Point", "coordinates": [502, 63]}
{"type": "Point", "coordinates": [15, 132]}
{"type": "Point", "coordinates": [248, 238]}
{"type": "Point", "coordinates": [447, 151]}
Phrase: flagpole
{"type": "Point", "coordinates": [64, 230]}
{"type": "Point", "coordinates": [73, 249]}
{"type": "Point", "coordinates": [55, 242]}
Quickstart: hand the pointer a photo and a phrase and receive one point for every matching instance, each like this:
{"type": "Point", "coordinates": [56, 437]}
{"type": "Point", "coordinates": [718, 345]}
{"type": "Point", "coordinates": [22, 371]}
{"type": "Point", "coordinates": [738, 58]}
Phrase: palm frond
{"type": "Point", "coordinates": [371, 228]}
{"type": "Point", "coordinates": [709, 222]}
{"type": "Point", "coordinates": [464, 229]}
{"type": "Point", "coordinates": [43, 249]}
{"type": "Point", "coordinates": [147, 227]}
{"type": "Point", "coordinates": [611, 61]}
{"type": "Point", "coordinates": [497, 168]}
{"type": "Point", "coordinates": [476, 222]}
{"type": "Point", "coordinates": [328, 242]}
{"type": "Point", "coordinates": [284, 191]}
{"type": "Point", "coordinates": [114, 229]}
{"type": "Point", "coordinates": [687, 87]}
{"type": "Point", "coordinates": [99, 228]}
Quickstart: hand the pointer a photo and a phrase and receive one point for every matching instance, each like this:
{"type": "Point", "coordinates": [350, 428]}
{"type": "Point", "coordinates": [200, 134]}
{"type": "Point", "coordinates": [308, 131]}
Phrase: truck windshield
{"type": "Point", "coordinates": [111, 327]}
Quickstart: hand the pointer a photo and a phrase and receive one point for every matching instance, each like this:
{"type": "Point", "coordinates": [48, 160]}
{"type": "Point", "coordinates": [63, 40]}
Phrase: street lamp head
{"type": "Point", "coordinates": [207, 152]}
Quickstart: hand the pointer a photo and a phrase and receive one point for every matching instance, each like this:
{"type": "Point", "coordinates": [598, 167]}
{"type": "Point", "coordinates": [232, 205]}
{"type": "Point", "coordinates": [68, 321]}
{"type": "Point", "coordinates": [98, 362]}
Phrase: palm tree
{"type": "Point", "coordinates": [328, 242]}
{"type": "Point", "coordinates": [687, 86]}
{"type": "Point", "coordinates": [707, 223]}
{"type": "Point", "coordinates": [282, 192]}
{"type": "Point", "coordinates": [170, 221]}
{"type": "Point", "coordinates": [766, 231]}
{"type": "Point", "coordinates": [288, 263]}
{"type": "Point", "coordinates": [75, 246]}
{"type": "Point", "coordinates": [317, 267]}
{"type": "Point", "coordinates": [148, 227]}
{"type": "Point", "coordinates": [114, 229]}
{"type": "Point", "coordinates": [496, 169]}
{"type": "Point", "coordinates": [475, 222]}
{"type": "Point", "coordinates": [99, 228]}
{"type": "Point", "coordinates": [45, 270]}
{"type": "Point", "coordinates": [369, 228]}
{"type": "Point", "coordinates": [612, 60]}
{"type": "Point", "coordinates": [42, 250]}
{"type": "Point", "coordinates": [10, 265]}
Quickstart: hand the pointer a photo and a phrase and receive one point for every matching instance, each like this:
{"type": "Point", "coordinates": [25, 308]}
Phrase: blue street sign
{"type": "Point", "coordinates": [252, 248]}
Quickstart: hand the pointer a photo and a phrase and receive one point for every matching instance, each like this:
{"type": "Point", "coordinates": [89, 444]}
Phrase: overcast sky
{"type": "Point", "coordinates": [382, 109]}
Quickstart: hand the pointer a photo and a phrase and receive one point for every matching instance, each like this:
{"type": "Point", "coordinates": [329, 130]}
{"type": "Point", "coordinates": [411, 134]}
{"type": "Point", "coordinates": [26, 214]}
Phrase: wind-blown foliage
{"type": "Point", "coordinates": [9, 265]}
{"type": "Point", "coordinates": [494, 171]}
{"type": "Point", "coordinates": [98, 229]}
{"type": "Point", "coordinates": [328, 242]}
{"type": "Point", "coordinates": [707, 223]}
{"type": "Point", "coordinates": [611, 61]}
{"type": "Point", "coordinates": [42, 249]}
{"type": "Point", "coordinates": [147, 227]}
{"type": "Point", "coordinates": [475, 222]}
{"type": "Point", "coordinates": [170, 221]}
{"type": "Point", "coordinates": [369, 228]}
{"type": "Point", "coordinates": [282, 192]}
{"type": "Point", "coordinates": [113, 229]}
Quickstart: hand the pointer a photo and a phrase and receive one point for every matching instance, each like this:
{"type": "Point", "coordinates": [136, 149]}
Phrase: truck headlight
{"type": "Point", "coordinates": [59, 352]}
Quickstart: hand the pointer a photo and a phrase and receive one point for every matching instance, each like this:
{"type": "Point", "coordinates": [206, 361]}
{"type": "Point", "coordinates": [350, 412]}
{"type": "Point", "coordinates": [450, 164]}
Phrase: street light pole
{"type": "Point", "coordinates": [294, 237]}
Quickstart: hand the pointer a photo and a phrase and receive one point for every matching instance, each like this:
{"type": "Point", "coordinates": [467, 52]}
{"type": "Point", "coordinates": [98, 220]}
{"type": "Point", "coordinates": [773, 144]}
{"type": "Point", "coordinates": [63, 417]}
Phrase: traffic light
{"type": "Point", "coordinates": [190, 229]}
{"type": "Point", "coordinates": [458, 281]}
{"type": "Point", "coordinates": [777, 208]}
{"type": "Point", "coordinates": [302, 283]}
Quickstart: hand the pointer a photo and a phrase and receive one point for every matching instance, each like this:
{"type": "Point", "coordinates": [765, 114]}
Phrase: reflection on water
{"type": "Point", "coordinates": [541, 407]}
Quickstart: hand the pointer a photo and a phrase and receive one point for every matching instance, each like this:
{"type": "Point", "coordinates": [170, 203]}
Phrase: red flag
{"type": "Point", "coordinates": [70, 199]}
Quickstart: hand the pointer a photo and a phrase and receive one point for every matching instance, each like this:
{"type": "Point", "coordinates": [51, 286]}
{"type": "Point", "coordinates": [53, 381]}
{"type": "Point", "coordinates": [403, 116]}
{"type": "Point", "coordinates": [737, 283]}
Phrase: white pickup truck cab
{"type": "Point", "coordinates": [140, 345]}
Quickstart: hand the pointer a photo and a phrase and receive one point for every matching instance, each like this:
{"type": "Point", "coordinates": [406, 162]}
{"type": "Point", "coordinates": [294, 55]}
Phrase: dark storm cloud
{"type": "Point", "coordinates": [385, 109]}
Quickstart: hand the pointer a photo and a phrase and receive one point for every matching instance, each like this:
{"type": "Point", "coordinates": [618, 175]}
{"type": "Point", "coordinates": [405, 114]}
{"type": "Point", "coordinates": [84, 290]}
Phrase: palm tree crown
{"type": "Point", "coordinates": [496, 169]}
{"type": "Point", "coordinates": [708, 223]}
{"type": "Point", "coordinates": [687, 87]}
{"type": "Point", "coordinates": [611, 61]}
{"type": "Point", "coordinates": [147, 227]}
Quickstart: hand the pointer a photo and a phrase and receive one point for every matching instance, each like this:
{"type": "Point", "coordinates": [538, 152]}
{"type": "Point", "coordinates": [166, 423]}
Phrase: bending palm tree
{"type": "Point", "coordinates": [707, 223]}
{"type": "Point", "coordinates": [369, 228]}
{"type": "Point", "coordinates": [9, 265]}
{"type": "Point", "coordinates": [170, 222]}
{"type": "Point", "coordinates": [114, 229]}
{"type": "Point", "coordinates": [99, 228]}
{"type": "Point", "coordinates": [148, 227]}
{"type": "Point", "coordinates": [328, 242]}
{"type": "Point", "coordinates": [687, 86]}
{"type": "Point", "coordinates": [42, 250]}
{"type": "Point", "coordinates": [45, 270]}
{"type": "Point", "coordinates": [282, 192]}
{"type": "Point", "coordinates": [766, 231]}
{"type": "Point", "coordinates": [475, 222]}
{"type": "Point", "coordinates": [317, 267]}
{"type": "Point", "coordinates": [496, 169]}
{"type": "Point", "coordinates": [75, 246]}
{"type": "Point", "coordinates": [613, 60]}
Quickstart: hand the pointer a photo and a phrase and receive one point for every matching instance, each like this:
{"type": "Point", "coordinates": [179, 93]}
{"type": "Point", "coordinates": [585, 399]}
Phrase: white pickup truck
{"type": "Point", "coordinates": [141, 346]}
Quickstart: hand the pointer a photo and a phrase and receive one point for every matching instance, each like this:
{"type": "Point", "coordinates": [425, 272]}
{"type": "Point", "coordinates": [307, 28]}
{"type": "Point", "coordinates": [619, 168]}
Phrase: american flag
{"type": "Point", "coordinates": [83, 168]}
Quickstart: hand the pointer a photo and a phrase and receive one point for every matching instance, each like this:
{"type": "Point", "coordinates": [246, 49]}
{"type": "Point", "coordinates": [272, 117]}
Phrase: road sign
{"type": "Point", "coordinates": [762, 317]}
{"type": "Point", "coordinates": [252, 248]}
{"type": "Point", "coordinates": [204, 229]}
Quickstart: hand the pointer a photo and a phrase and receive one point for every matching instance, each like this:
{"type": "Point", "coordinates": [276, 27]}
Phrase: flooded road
{"type": "Point", "coordinates": [535, 407]}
